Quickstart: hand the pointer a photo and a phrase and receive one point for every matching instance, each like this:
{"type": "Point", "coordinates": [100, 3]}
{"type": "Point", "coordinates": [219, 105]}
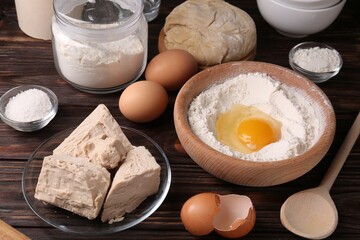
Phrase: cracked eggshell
{"type": "Point", "coordinates": [236, 217]}
{"type": "Point", "coordinates": [231, 216]}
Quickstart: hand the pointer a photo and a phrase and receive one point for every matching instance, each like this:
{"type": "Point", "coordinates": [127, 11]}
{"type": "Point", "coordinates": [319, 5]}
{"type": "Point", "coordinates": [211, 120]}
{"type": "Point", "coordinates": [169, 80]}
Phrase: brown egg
{"type": "Point", "coordinates": [231, 216]}
{"type": "Point", "coordinates": [198, 211]}
{"type": "Point", "coordinates": [143, 101]}
{"type": "Point", "coordinates": [171, 68]}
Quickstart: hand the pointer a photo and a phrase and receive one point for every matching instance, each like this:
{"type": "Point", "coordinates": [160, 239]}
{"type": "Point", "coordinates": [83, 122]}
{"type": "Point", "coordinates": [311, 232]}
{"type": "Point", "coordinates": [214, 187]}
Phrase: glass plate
{"type": "Point", "coordinates": [72, 223]}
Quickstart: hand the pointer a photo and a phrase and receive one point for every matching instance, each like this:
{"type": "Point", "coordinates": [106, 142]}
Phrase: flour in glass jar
{"type": "Point", "coordinates": [29, 105]}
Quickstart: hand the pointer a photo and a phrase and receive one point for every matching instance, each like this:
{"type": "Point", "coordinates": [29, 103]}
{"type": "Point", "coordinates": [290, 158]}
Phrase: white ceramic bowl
{"type": "Point", "coordinates": [309, 4]}
{"type": "Point", "coordinates": [297, 22]}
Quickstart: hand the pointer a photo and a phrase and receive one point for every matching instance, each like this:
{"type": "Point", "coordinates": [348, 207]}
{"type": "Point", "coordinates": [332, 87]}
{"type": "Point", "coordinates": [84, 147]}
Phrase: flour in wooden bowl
{"type": "Point", "coordinates": [299, 123]}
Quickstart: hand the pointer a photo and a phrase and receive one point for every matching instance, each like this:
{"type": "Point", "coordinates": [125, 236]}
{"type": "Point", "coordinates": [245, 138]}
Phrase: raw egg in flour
{"type": "Point", "coordinates": [247, 129]}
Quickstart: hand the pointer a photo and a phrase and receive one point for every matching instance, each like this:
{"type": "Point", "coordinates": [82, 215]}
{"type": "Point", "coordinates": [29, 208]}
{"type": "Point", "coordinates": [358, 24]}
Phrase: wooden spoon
{"type": "Point", "coordinates": [312, 213]}
{"type": "Point", "coordinates": [10, 233]}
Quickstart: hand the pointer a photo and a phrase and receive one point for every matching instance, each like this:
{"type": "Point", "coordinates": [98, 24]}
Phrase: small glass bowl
{"type": "Point", "coordinates": [316, 77]}
{"type": "Point", "coordinates": [32, 125]}
{"type": "Point", "coordinates": [75, 224]}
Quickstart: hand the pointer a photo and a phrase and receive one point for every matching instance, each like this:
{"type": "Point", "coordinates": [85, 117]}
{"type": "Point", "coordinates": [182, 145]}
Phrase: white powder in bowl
{"type": "Point", "coordinates": [29, 105]}
{"type": "Point", "coordinates": [317, 59]}
{"type": "Point", "coordinates": [300, 125]}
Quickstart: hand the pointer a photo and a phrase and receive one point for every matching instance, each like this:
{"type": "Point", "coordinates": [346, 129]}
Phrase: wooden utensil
{"type": "Point", "coordinates": [312, 213]}
{"type": "Point", "coordinates": [8, 232]}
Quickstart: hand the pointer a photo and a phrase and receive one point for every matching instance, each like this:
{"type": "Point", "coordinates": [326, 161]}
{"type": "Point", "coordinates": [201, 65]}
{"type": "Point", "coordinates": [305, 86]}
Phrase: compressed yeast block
{"type": "Point", "coordinates": [99, 138]}
{"type": "Point", "coordinates": [137, 178]}
{"type": "Point", "coordinates": [74, 184]}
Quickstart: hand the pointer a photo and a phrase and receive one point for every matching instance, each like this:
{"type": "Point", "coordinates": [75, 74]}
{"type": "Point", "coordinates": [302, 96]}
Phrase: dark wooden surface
{"type": "Point", "coordinates": [24, 60]}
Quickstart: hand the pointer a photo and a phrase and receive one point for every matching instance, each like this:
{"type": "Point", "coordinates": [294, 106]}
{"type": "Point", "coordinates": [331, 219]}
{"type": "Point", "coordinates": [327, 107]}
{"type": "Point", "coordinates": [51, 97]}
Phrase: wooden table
{"type": "Point", "coordinates": [24, 60]}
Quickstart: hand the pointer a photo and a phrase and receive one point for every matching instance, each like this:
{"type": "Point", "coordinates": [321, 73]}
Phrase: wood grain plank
{"type": "Point", "coordinates": [24, 60]}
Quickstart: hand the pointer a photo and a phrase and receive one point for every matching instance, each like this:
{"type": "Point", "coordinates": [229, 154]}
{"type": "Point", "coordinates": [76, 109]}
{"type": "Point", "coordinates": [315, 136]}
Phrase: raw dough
{"type": "Point", "coordinates": [212, 30]}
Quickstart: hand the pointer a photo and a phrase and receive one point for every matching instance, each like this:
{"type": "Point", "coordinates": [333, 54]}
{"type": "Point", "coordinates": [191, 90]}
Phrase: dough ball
{"type": "Point", "coordinates": [213, 31]}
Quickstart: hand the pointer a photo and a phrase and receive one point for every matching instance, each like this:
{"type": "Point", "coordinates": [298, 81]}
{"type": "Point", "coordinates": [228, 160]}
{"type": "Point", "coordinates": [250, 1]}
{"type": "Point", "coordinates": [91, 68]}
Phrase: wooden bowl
{"type": "Point", "coordinates": [244, 172]}
{"type": "Point", "coordinates": [161, 47]}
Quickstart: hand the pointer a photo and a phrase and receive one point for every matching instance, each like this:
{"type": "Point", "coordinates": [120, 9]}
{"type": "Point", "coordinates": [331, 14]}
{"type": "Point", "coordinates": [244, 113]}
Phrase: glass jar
{"type": "Point", "coordinates": [99, 56]}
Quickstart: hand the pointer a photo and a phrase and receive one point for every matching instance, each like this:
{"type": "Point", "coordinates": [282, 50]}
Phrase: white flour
{"type": "Point", "coordinates": [300, 125]}
{"type": "Point", "coordinates": [317, 59]}
{"type": "Point", "coordinates": [98, 64]}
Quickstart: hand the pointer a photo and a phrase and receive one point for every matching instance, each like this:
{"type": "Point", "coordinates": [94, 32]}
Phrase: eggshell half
{"type": "Point", "coordinates": [236, 217]}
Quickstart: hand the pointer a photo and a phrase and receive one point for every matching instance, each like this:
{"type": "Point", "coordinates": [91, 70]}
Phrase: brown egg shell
{"type": "Point", "coordinates": [171, 68]}
{"type": "Point", "coordinates": [231, 215]}
{"type": "Point", "coordinates": [143, 101]}
{"type": "Point", "coordinates": [198, 211]}
{"type": "Point", "coordinates": [236, 217]}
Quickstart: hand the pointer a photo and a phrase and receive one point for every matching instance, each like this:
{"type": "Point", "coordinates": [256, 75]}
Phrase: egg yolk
{"type": "Point", "coordinates": [246, 129]}
{"type": "Point", "coordinates": [255, 133]}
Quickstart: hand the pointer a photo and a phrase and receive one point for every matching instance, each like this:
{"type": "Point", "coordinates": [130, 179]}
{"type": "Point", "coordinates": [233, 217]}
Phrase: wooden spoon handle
{"type": "Point", "coordinates": [10, 233]}
{"type": "Point", "coordinates": [341, 155]}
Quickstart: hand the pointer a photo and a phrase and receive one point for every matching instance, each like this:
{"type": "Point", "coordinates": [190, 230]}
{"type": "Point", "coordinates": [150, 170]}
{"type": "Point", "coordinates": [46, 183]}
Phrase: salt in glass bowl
{"type": "Point", "coordinates": [317, 77]}
{"type": "Point", "coordinates": [32, 125]}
